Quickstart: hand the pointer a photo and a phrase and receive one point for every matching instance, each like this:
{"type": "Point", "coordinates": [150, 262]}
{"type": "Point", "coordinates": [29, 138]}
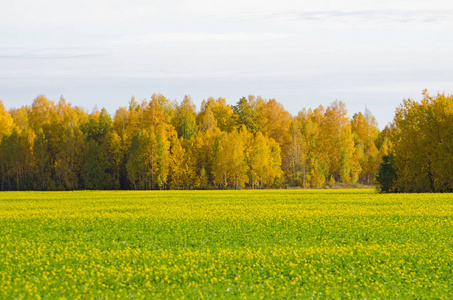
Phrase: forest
{"type": "Point", "coordinates": [256, 143]}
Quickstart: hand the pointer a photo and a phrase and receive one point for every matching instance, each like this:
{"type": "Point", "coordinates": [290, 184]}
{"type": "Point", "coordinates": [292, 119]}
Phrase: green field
{"type": "Point", "coordinates": [225, 244]}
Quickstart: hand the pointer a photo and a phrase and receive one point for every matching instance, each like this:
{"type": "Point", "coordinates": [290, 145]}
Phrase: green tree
{"type": "Point", "coordinates": [386, 175]}
{"type": "Point", "coordinates": [96, 171]}
{"type": "Point", "coordinates": [43, 162]}
{"type": "Point", "coordinates": [148, 160]}
{"type": "Point", "coordinates": [15, 160]}
{"type": "Point", "coordinates": [115, 154]}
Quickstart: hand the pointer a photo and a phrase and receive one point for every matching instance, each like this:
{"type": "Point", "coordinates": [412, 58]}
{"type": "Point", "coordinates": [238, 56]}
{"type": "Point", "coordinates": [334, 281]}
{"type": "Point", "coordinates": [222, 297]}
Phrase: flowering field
{"type": "Point", "coordinates": [225, 244]}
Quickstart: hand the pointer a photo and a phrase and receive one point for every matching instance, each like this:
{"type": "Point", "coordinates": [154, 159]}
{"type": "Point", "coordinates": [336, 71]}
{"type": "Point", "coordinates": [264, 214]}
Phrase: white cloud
{"type": "Point", "coordinates": [23, 13]}
{"type": "Point", "coordinates": [47, 53]}
{"type": "Point", "coordinates": [202, 37]}
{"type": "Point", "coordinates": [303, 20]}
{"type": "Point", "coordinates": [401, 87]}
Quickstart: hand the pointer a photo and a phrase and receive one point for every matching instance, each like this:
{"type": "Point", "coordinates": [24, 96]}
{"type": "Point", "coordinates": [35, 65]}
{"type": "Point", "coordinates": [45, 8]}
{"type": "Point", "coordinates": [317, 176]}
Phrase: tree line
{"type": "Point", "coordinates": [164, 144]}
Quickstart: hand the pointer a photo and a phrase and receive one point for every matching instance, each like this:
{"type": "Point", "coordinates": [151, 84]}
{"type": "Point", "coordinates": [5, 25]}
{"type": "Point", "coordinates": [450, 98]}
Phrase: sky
{"type": "Point", "coordinates": [98, 53]}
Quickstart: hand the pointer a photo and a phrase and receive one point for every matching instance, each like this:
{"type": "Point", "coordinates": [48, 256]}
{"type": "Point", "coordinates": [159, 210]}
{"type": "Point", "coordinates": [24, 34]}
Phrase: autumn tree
{"type": "Point", "coordinates": [308, 122]}
{"type": "Point", "coordinates": [274, 121]}
{"type": "Point", "coordinates": [71, 148]}
{"type": "Point", "coordinates": [185, 119]}
{"type": "Point", "coordinates": [178, 165]}
{"type": "Point", "coordinates": [423, 145]}
{"type": "Point", "coordinates": [163, 155]}
{"type": "Point", "coordinates": [156, 112]}
{"type": "Point", "coordinates": [336, 143]}
{"type": "Point", "coordinates": [265, 162]}
{"type": "Point", "coordinates": [202, 149]}
{"type": "Point", "coordinates": [245, 114]}
{"type": "Point", "coordinates": [221, 111]}
{"type": "Point", "coordinates": [6, 121]}
{"type": "Point", "coordinates": [296, 157]}
{"type": "Point", "coordinates": [366, 132]}
{"type": "Point", "coordinates": [229, 164]}
{"type": "Point", "coordinates": [42, 113]}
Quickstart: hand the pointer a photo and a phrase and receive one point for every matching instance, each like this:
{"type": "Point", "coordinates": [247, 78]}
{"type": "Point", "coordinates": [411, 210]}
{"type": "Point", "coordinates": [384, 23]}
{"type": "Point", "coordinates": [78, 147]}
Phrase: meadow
{"type": "Point", "coordinates": [225, 244]}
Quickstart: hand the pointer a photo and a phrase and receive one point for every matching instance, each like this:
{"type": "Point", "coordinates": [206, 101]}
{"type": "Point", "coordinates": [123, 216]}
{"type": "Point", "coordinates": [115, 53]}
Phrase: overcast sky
{"type": "Point", "coordinates": [303, 53]}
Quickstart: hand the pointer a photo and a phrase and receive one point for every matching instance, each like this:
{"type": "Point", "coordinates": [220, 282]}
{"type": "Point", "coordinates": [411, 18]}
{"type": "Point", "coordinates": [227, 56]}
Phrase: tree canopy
{"type": "Point", "coordinates": [256, 143]}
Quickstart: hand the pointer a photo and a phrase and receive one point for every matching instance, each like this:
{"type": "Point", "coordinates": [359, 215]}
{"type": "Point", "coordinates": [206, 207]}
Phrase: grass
{"type": "Point", "coordinates": [225, 244]}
